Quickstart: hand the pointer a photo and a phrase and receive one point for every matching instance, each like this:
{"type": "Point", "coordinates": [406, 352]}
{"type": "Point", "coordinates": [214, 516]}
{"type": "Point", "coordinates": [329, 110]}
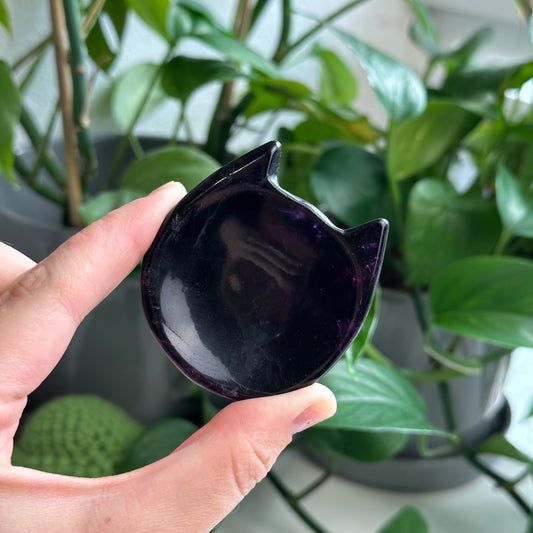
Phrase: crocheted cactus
{"type": "Point", "coordinates": [77, 435]}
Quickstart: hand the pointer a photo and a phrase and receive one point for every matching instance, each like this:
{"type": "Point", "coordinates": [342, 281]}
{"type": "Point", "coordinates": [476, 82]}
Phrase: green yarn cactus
{"type": "Point", "coordinates": [76, 435]}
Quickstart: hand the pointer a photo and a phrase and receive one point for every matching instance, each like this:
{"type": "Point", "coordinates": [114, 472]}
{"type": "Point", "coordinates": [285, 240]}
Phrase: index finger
{"type": "Point", "coordinates": [41, 310]}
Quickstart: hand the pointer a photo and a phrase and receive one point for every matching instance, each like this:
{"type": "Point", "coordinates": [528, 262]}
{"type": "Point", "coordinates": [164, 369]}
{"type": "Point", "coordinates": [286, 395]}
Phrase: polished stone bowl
{"type": "Point", "coordinates": [252, 291]}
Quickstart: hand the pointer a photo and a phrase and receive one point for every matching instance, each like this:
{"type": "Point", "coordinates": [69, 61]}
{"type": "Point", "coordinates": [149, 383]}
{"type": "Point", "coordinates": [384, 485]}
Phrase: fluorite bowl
{"type": "Point", "coordinates": [252, 291]}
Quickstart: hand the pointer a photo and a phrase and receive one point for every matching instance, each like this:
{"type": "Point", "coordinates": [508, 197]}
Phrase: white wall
{"type": "Point", "coordinates": [382, 23]}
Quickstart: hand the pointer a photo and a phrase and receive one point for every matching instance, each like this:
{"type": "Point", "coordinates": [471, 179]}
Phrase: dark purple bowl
{"type": "Point", "coordinates": [252, 291]}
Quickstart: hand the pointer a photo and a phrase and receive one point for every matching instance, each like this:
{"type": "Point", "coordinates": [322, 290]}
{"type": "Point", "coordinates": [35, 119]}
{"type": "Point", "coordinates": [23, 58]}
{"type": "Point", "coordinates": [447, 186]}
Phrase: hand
{"type": "Point", "coordinates": [193, 488]}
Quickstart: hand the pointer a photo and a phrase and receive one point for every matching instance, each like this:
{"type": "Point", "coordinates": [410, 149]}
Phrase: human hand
{"type": "Point", "coordinates": [193, 488]}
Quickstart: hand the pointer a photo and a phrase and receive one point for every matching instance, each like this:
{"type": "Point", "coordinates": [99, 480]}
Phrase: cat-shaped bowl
{"type": "Point", "coordinates": [252, 291]}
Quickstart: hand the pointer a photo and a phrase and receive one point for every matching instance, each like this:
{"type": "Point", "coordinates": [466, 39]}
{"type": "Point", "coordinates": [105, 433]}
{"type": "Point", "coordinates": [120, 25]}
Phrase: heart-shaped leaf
{"type": "Point", "coordinates": [487, 298]}
{"type": "Point", "coordinates": [9, 116]}
{"type": "Point", "coordinates": [414, 145]}
{"type": "Point", "coordinates": [274, 94]}
{"type": "Point", "coordinates": [399, 90]}
{"type": "Point", "coordinates": [515, 203]}
{"type": "Point", "coordinates": [128, 92]}
{"type": "Point", "coordinates": [443, 226]}
{"type": "Point", "coordinates": [406, 520]}
{"type": "Point", "coordinates": [351, 184]}
{"type": "Point", "coordinates": [337, 84]}
{"type": "Point", "coordinates": [185, 164]}
{"type": "Point", "coordinates": [183, 75]}
{"type": "Point", "coordinates": [379, 398]}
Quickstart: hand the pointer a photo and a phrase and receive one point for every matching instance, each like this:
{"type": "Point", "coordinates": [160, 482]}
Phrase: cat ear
{"type": "Point", "coordinates": [367, 243]}
{"type": "Point", "coordinates": [255, 166]}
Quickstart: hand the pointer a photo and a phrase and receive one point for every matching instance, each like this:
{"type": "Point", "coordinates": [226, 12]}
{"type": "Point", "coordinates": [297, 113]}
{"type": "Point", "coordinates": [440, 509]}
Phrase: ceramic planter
{"type": "Point", "coordinates": [113, 353]}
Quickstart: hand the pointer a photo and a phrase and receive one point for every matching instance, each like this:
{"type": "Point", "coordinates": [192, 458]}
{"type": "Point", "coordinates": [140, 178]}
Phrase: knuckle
{"type": "Point", "coordinates": [250, 463]}
{"type": "Point", "coordinates": [30, 282]}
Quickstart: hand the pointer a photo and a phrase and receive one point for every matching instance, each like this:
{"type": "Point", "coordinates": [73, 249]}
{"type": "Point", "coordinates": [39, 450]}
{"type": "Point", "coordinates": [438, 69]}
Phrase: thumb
{"type": "Point", "coordinates": [196, 486]}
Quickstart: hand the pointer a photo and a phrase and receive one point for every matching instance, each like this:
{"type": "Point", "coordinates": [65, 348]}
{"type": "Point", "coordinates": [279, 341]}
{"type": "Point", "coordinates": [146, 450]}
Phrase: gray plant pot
{"type": "Point", "coordinates": [113, 353]}
{"type": "Point", "coordinates": [478, 403]}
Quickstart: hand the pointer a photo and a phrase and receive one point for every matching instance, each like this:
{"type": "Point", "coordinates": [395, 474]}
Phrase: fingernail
{"type": "Point", "coordinates": [172, 188]}
{"type": "Point", "coordinates": [324, 406]}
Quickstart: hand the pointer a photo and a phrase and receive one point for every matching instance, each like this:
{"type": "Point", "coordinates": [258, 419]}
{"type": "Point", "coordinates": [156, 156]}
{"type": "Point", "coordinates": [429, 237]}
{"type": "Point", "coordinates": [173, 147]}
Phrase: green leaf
{"type": "Point", "coordinates": [359, 445]}
{"type": "Point", "coordinates": [183, 75]}
{"type": "Point", "coordinates": [366, 334]}
{"type": "Point", "coordinates": [5, 18]}
{"type": "Point", "coordinates": [101, 50]}
{"type": "Point", "coordinates": [515, 203]}
{"type": "Point", "coordinates": [153, 13]}
{"type": "Point", "coordinates": [9, 117]}
{"type": "Point", "coordinates": [443, 226]}
{"type": "Point", "coordinates": [351, 184]}
{"type": "Point", "coordinates": [346, 120]}
{"type": "Point", "coordinates": [379, 399]}
{"type": "Point", "coordinates": [399, 90]}
{"type": "Point", "coordinates": [406, 520]}
{"type": "Point", "coordinates": [462, 55]}
{"type": "Point", "coordinates": [128, 91]}
{"type": "Point", "coordinates": [472, 80]}
{"type": "Point", "coordinates": [157, 442]}
{"type": "Point", "coordinates": [185, 164]}
{"type": "Point", "coordinates": [275, 94]}
{"type": "Point", "coordinates": [487, 298]}
{"type": "Point", "coordinates": [498, 445]}
{"type": "Point", "coordinates": [117, 11]}
{"type": "Point", "coordinates": [104, 202]}
{"type": "Point", "coordinates": [235, 50]}
{"type": "Point", "coordinates": [337, 84]}
{"type": "Point", "coordinates": [415, 144]}
{"type": "Point", "coordinates": [423, 31]}
{"type": "Point", "coordinates": [98, 48]}
{"type": "Point", "coordinates": [296, 166]}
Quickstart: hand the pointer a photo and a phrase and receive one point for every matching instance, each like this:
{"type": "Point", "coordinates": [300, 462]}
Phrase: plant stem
{"type": "Point", "coordinates": [41, 149]}
{"type": "Point", "coordinates": [218, 132]}
{"type": "Point", "coordinates": [376, 354]}
{"type": "Point", "coordinates": [36, 50]}
{"type": "Point", "coordinates": [50, 162]}
{"type": "Point", "coordinates": [315, 485]}
{"type": "Point", "coordinates": [500, 481]}
{"type": "Point", "coordinates": [33, 69]}
{"type": "Point", "coordinates": [121, 150]}
{"type": "Point", "coordinates": [74, 190]}
{"type": "Point", "coordinates": [318, 26]}
{"type": "Point", "coordinates": [420, 307]}
{"type": "Point", "coordinates": [503, 241]}
{"type": "Point", "coordinates": [470, 455]}
{"type": "Point", "coordinates": [285, 31]}
{"type": "Point", "coordinates": [24, 172]}
{"type": "Point", "coordinates": [257, 11]}
{"type": "Point", "coordinates": [80, 107]}
{"type": "Point", "coordinates": [293, 503]}
{"type": "Point", "coordinates": [92, 16]}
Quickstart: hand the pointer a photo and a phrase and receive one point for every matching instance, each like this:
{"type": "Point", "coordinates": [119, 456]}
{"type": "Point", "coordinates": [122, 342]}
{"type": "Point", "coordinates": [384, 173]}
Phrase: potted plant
{"type": "Point", "coordinates": [460, 250]}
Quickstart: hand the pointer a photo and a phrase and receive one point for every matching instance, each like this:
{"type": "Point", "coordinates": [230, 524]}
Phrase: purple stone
{"type": "Point", "coordinates": [252, 291]}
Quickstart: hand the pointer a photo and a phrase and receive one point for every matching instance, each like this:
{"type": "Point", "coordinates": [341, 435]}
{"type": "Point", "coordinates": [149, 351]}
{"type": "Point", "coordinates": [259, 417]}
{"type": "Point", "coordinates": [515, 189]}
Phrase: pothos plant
{"type": "Point", "coordinates": [452, 171]}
